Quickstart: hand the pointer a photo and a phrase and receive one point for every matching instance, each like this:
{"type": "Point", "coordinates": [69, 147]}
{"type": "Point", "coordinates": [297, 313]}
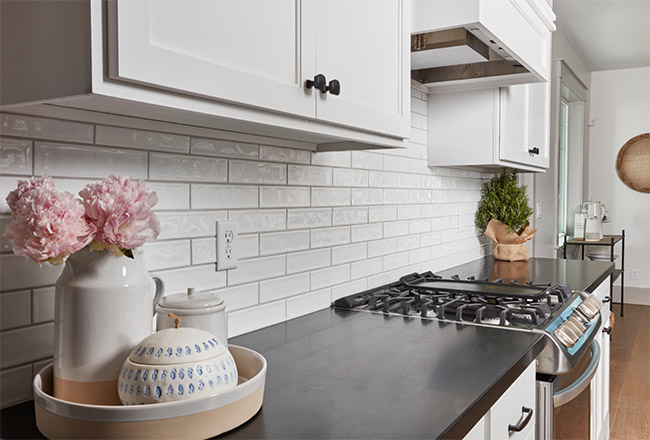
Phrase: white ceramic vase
{"type": "Point", "coordinates": [103, 308]}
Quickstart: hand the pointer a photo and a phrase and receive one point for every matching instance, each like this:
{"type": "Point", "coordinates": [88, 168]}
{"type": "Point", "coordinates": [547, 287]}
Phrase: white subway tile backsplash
{"type": "Point", "coordinates": [309, 218]}
{"type": "Point", "coordinates": [257, 172]}
{"type": "Point", "coordinates": [15, 156]}
{"type": "Point", "coordinates": [187, 168]}
{"type": "Point", "coordinates": [365, 268]}
{"type": "Point", "coordinates": [257, 269]}
{"type": "Point", "coordinates": [346, 254]}
{"type": "Point", "coordinates": [259, 220]}
{"type": "Point", "coordinates": [330, 276]}
{"type": "Point", "coordinates": [223, 196]}
{"type": "Point", "coordinates": [382, 213]}
{"type": "Point", "coordinates": [253, 318]}
{"type": "Point", "coordinates": [349, 216]}
{"type": "Point", "coordinates": [330, 236]}
{"type": "Point", "coordinates": [330, 196]}
{"type": "Point", "coordinates": [367, 232]}
{"type": "Point", "coordinates": [382, 247]}
{"type": "Point", "coordinates": [310, 260]}
{"type": "Point", "coordinates": [167, 254]}
{"type": "Point", "coordinates": [16, 385]}
{"type": "Point", "coordinates": [43, 128]}
{"type": "Point", "coordinates": [214, 147]}
{"type": "Point", "coordinates": [308, 175]}
{"type": "Point", "coordinates": [286, 155]}
{"type": "Point", "coordinates": [200, 277]}
{"type": "Point", "coordinates": [140, 139]}
{"type": "Point", "coordinates": [349, 288]}
{"type": "Point", "coordinates": [345, 177]}
{"type": "Point", "coordinates": [284, 197]}
{"type": "Point", "coordinates": [42, 305]}
{"type": "Point", "coordinates": [284, 287]}
{"type": "Point", "coordinates": [332, 158]}
{"type": "Point", "coordinates": [238, 297]}
{"type": "Point", "coordinates": [5, 243]}
{"type": "Point", "coordinates": [382, 179]}
{"type": "Point", "coordinates": [374, 196]}
{"type": "Point", "coordinates": [22, 273]}
{"type": "Point", "coordinates": [367, 160]}
{"type": "Point", "coordinates": [26, 345]}
{"type": "Point", "coordinates": [283, 242]}
{"type": "Point", "coordinates": [77, 161]}
{"type": "Point", "coordinates": [308, 303]}
{"type": "Point", "coordinates": [171, 195]}
{"type": "Point", "coordinates": [189, 224]}
{"type": "Point", "coordinates": [14, 309]}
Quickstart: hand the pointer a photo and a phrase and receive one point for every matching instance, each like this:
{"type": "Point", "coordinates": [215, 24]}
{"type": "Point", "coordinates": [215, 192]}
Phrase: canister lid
{"type": "Point", "coordinates": [192, 300]}
{"type": "Point", "coordinates": [177, 346]}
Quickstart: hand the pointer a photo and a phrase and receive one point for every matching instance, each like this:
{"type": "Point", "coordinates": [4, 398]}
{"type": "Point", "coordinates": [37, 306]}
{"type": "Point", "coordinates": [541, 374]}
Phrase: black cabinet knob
{"type": "Point", "coordinates": [533, 150]}
{"type": "Point", "coordinates": [607, 330]}
{"type": "Point", "coordinates": [606, 300]}
{"type": "Point", "coordinates": [334, 87]}
{"type": "Point", "coordinates": [319, 83]}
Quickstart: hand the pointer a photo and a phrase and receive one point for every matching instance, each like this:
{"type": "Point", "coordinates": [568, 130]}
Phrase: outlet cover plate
{"type": "Point", "coordinates": [227, 242]}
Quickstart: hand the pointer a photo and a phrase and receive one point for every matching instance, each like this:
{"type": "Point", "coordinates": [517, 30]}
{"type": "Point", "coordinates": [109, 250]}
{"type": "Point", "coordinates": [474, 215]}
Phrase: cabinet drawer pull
{"type": "Point", "coordinates": [607, 330]}
{"type": "Point", "coordinates": [533, 150]}
{"type": "Point", "coordinates": [606, 300]}
{"type": "Point", "coordinates": [523, 423]}
{"type": "Point", "coordinates": [319, 83]}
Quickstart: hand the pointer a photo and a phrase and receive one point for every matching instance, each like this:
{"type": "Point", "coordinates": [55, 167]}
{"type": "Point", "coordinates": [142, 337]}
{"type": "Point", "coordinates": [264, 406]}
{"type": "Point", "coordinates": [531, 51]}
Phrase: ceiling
{"type": "Point", "coordinates": [608, 34]}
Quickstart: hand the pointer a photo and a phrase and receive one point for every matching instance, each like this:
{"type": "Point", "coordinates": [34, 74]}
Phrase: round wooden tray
{"type": "Point", "coordinates": [198, 418]}
{"type": "Point", "coordinates": [633, 163]}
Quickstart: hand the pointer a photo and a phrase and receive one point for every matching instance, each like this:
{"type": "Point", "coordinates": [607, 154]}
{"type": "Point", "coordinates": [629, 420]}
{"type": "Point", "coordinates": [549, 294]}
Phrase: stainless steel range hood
{"type": "Point", "coordinates": [458, 54]}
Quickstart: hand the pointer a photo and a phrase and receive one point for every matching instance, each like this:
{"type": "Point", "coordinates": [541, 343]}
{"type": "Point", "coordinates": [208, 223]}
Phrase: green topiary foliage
{"type": "Point", "coordinates": [503, 199]}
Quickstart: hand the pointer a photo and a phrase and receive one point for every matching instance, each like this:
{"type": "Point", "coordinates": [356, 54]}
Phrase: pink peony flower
{"type": "Point", "coordinates": [120, 208]}
{"type": "Point", "coordinates": [47, 225]}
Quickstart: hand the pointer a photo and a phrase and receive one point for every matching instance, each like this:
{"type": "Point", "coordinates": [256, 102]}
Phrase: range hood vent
{"type": "Point", "coordinates": [458, 54]}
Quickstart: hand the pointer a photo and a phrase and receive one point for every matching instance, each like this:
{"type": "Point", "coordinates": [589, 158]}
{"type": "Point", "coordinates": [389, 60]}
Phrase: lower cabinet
{"type": "Point", "coordinates": [599, 424]}
{"type": "Point", "coordinates": [513, 415]}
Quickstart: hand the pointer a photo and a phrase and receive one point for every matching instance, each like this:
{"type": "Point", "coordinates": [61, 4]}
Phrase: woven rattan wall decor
{"type": "Point", "coordinates": [633, 163]}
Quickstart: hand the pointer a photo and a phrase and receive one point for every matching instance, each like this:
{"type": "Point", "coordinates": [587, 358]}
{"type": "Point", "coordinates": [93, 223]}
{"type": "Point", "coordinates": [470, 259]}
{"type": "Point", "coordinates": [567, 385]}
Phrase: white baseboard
{"type": "Point", "coordinates": [633, 295]}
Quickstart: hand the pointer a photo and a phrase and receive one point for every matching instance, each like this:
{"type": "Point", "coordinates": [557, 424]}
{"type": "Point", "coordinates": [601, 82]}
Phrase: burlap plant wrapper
{"type": "Point", "coordinates": [508, 245]}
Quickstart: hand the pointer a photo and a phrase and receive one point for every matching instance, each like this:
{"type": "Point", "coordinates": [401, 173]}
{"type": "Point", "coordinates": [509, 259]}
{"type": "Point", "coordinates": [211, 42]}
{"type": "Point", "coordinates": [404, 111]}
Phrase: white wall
{"type": "Point", "coordinates": [620, 105]}
{"type": "Point", "coordinates": [313, 227]}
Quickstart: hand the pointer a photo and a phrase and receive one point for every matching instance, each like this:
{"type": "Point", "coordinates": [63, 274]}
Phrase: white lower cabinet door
{"type": "Point", "coordinates": [365, 46]}
{"type": "Point", "coordinates": [249, 52]}
{"type": "Point", "coordinates": [512, 417]}
{"type": "Point", "coordinates": [480, 431]}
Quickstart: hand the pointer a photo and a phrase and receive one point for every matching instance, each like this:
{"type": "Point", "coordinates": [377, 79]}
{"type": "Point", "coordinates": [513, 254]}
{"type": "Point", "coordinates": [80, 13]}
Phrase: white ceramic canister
{"type": "Point", "coordinates": [202, 310]}
{"type": "Point", "coordinates": [103, 308]}
{"type": "Point", "coordinates": [176, 364]}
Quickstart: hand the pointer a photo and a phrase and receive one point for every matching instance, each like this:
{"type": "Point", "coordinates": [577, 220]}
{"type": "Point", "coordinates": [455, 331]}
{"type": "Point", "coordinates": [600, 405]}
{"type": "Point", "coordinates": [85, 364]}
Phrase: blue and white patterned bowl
{"type": "Point", "coordinates": [176, 364]}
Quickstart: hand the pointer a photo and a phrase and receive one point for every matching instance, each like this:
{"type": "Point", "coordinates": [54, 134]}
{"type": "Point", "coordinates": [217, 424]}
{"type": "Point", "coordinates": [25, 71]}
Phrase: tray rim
{"type": "Point", "coordinates": [139, 413]}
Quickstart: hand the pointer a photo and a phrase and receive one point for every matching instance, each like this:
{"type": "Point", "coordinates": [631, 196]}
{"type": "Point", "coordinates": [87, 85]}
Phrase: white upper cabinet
{"type": "Point", "coordinates": [499, 127]}
{"type": "Point", "coordinates": [240, 68]}
{"type": "Point", "coordinates": [364, 45]}
{"type": "Point", "coordinates": [261, 53]}
{"type": "Point", "coordinates": [243, 51]}
{"type": "Point", "coordinates": [525, 124]}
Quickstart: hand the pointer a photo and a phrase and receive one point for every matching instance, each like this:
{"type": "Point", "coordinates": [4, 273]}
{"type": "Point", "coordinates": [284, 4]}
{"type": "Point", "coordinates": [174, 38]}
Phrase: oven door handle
{"type": "Point", "coordinates": [572, 391]}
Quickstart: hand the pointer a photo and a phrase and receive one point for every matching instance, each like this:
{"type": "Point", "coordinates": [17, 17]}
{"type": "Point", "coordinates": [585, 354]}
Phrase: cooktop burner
{"type": "Point", "coordinates": [494, 302]}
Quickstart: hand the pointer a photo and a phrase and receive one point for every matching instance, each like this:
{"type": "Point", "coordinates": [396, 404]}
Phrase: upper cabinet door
{"type": "Point", "coordinates": [364, 44]}
{"type": "Point", "coordinates": [525, 124]}
{"type": "Point", "coordinates": [250, 52]}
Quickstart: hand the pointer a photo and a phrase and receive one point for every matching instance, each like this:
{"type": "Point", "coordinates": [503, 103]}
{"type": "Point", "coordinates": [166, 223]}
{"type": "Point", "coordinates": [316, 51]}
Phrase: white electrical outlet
{"type": "Point", "coordinates": [634, 273]}
{"type": "Point", "coordinates": [538, 208]}
{"type": "Point", "coordinates": [226, 245]}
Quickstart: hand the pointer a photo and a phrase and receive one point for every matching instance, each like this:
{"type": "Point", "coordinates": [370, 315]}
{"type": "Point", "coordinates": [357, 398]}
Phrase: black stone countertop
{"type": "Point", "coordinates": [345, 374]}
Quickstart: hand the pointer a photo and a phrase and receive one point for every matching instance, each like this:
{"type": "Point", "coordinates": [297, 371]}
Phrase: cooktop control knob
{"type": "Point", "coordinates": [590, 307]}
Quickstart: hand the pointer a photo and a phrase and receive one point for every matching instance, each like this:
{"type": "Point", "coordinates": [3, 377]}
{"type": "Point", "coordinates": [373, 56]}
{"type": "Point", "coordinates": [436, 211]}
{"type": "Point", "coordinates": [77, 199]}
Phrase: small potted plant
{"type": "Point", "coordinates": [503, 217]}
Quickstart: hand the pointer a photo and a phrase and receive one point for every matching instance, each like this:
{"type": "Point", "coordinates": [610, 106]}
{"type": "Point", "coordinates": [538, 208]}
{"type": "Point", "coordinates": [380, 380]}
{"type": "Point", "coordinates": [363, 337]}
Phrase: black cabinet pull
{"type": "Point", "coordinates": [334, 87]}
{"type": "Point", "coordinates": [524, 423]}
{"type": "Point", "coordinates": [533, 150]}
{"type": "Point", "coordinates": [607, 330]}
{"type": "Point", "coordinates": [606, 300]}
{"type": "Point", "coordinates": [319, 83]}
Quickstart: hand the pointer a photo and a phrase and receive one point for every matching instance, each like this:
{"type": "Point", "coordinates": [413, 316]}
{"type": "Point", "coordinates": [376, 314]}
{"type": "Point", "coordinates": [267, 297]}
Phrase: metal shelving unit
{"type": "Point", "coordinates": [607, 240]}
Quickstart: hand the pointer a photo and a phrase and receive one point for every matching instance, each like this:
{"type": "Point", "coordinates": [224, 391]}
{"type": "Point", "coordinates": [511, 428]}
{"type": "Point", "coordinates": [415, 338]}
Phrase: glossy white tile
{"type": "Point", "coordinates": [15, 156]}
{"type": "Point", "coordinates": [140, 139]}
{"type": "Point", "coordinates": [187, 168]}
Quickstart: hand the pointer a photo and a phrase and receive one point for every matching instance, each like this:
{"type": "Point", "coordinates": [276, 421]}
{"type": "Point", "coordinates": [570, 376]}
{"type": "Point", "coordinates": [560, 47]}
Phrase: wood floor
{"type": "Point", "coordinates": [629, 402]}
